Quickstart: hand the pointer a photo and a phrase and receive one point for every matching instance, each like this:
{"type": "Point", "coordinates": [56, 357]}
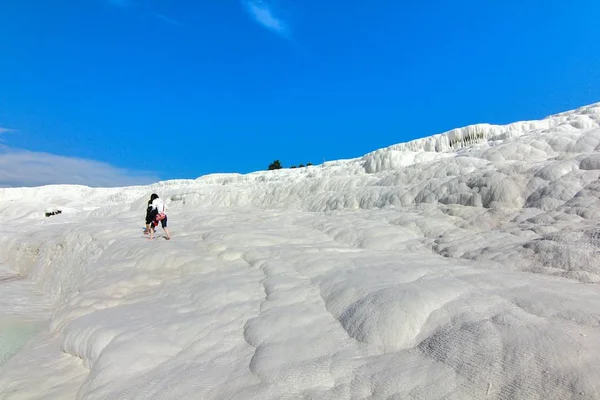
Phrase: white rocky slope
{"type": "Point", "coordinates": [460, 266]}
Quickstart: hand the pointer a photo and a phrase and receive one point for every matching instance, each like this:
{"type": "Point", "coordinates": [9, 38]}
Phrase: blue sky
{"type": "Point", "coordinates": [152, 89]}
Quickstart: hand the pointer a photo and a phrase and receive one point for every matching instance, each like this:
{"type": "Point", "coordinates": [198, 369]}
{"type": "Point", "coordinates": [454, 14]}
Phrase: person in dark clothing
{"type": "Point", "coordinates": [151, 213]}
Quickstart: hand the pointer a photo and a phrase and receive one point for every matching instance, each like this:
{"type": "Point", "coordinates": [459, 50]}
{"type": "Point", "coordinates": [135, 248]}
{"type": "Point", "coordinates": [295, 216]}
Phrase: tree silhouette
{"type": "Point", "coordinates": [275, 165]}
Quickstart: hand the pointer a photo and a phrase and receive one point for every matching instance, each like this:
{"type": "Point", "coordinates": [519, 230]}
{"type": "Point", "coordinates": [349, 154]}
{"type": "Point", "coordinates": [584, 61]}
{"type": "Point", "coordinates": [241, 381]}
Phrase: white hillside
{"type": "Point", "coordinates": [460, 266]}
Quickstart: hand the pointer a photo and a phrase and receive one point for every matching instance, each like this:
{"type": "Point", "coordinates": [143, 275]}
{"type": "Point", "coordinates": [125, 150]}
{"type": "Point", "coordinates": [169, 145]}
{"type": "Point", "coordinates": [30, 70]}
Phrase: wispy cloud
{"type": "Point", "coordinates": [20, 168]}
{"type": "Point", "coordinates": [5, 130]}
{"type": "Point", "coordinates": [262, 13]}
{"type": "Point", "coordinates": [139, 7]}
{"type": "Point", "coordinates": [167, 19]}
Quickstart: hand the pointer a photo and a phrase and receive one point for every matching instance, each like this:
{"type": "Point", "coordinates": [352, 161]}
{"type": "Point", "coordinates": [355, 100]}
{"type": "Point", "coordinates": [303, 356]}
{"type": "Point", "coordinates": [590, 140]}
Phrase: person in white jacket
{"type": "Point", "coordinates": [159, 213]}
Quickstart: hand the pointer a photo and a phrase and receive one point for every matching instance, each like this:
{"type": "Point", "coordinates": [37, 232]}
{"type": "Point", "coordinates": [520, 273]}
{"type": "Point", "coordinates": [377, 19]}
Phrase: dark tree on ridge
{"type": "Point", "coordinates": [275, 165]}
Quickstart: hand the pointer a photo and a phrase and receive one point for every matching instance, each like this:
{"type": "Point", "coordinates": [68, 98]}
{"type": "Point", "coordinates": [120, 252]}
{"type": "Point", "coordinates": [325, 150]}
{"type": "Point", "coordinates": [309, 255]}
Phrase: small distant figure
{"type": "Point", "coordinates": [52, 211]}
{"type": "Point", "coordinates": [158, 212]}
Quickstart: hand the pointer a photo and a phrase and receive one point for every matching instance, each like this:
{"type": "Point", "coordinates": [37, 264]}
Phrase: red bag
{"type": "Point", "coordinates": [160, 216]}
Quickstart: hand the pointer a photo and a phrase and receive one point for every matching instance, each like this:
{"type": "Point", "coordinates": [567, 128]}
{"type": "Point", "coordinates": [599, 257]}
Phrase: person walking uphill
{"type": "Point", "coordinates": [159, 213]}
{"type": "Point", "coordinates": [149, 217]}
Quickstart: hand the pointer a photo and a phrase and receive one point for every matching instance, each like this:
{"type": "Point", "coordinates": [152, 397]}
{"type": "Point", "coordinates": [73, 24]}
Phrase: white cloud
{"type": "Point", "coordinates": [263, 14]}
{"type": "Point", "coordinates": [26, 168]}
{"type": "Point", "coordinates": [140, 7]}
{"type": "Point", "coordinates": [167, 19]}
{"type": "Point", "coordinates": [5, 130]}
